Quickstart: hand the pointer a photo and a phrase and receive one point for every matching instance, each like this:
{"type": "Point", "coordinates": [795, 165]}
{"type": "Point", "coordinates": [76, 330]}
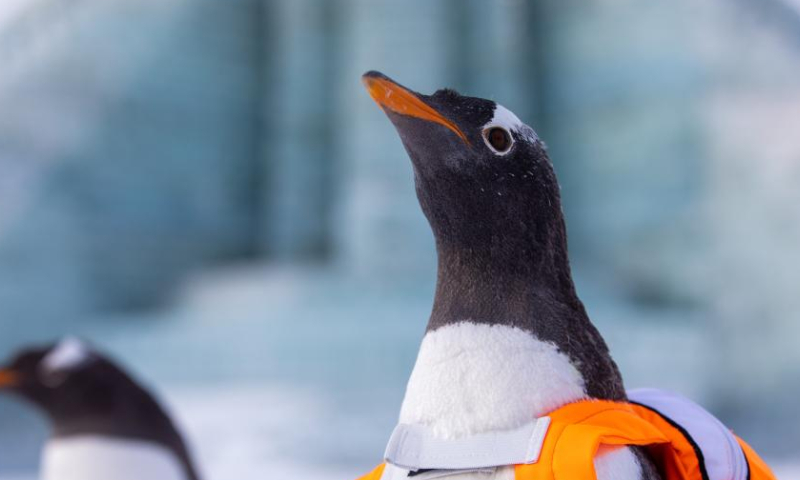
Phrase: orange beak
{"type": "Point", "coordinates": [389, 95]}
{"type": "Point", "coordinates": [8, 378]}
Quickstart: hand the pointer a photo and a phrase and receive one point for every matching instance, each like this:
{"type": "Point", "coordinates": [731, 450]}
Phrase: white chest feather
{"type": "Point", "coordinates": [100, 458]}
{"type": "Point", "coordinates": [475, 378]}
{"type": "Point", "coordinates": [472, 378]}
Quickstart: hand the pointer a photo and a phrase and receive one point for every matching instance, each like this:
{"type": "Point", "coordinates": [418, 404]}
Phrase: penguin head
{"type": "Point", "coordinates": [483, 177]}
{"type": "Point", "coordinates": [67, 378]}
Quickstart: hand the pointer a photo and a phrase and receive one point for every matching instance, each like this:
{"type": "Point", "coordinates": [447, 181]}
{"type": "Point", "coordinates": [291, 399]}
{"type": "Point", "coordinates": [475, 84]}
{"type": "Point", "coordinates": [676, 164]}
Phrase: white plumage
{"type": "Point", "coordinates": [104, 458]}
{"type": "Point", "coordinates": [505, 118]}
{"type": "Point", "coordinates": [68, 354]}
{"type": "Point", "coordinates": [473, 378]}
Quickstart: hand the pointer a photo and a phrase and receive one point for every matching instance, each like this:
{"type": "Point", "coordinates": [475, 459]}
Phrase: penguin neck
{"type": "Point", "coordinates": [518, 287]}
{"type": "Point", "coordinates": [508, 339]}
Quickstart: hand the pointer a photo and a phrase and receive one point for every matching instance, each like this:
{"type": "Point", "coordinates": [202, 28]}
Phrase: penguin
{"type": "Point", "coordinates": [105, 425]}
{"type": "Point", "coordinates": [508, 339]}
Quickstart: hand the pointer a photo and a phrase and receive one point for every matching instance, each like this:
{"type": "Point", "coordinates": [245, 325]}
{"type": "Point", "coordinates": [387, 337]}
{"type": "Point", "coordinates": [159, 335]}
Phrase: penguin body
{"type": "Point", "coordinates": [104, 424]}
{"type": "Point", "coordinates": [508, 339]}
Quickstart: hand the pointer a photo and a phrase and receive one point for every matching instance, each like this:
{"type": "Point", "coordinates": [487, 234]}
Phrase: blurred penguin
{"type": "Point", "coordinates": [105, 425]}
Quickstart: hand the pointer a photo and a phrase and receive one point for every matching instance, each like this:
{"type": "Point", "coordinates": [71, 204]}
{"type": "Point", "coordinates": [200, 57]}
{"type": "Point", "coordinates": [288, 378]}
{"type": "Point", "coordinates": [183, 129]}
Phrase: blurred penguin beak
{"type": "Point", "coordinates": [389, 95]}
{"type": "Point", "coordinates": [8, 378]}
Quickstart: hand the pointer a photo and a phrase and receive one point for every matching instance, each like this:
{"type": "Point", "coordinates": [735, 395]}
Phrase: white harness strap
{"type": "Point", "coordinates": [414, 452]}
{"type": "Point", "coordinates": [414, 447]}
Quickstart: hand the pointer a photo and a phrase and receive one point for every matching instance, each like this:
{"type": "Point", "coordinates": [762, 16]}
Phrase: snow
{"type": "Point", "coordinates": [251, 432]}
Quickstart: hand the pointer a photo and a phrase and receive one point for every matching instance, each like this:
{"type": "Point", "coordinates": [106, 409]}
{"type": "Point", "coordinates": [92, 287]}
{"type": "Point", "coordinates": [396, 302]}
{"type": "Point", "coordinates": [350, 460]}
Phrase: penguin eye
{"type": "Point", "coordinates": [498, 139]}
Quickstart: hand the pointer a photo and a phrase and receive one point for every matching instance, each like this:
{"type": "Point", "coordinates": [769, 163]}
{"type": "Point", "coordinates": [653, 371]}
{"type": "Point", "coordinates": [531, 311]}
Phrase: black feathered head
{"type": "Point", "coordinates": [483, 177]}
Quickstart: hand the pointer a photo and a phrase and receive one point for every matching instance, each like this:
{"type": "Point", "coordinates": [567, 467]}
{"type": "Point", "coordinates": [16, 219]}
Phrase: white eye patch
{"type": "Point", "coordinates": [505, 118]}
{"type": "Point", "coordinates": [68, 355]}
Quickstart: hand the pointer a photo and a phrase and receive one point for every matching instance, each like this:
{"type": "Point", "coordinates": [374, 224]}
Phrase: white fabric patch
{"type": "Point", "coordinates": [416, 448]}
{"type": "Point", "coordinates": [475, 378]}
{"type": "Point", "coordinates": [506, 119]}
{"type": "Point", "coordinates": [68, 354]}
{"type": "Point", "coordinates": [102, 458]}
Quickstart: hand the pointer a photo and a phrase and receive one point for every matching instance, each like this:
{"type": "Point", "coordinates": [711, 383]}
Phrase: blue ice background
{"type": "Point", "coordinates": [204, 190]}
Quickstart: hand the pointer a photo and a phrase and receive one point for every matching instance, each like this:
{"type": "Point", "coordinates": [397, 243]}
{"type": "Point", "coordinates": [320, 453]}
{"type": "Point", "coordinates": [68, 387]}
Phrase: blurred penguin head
{"type": "Point", "coordinates": [62, 378]}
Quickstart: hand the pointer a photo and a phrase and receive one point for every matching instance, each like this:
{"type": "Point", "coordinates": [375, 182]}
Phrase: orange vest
{"type": "Point", "coordinates": [577, 430]}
